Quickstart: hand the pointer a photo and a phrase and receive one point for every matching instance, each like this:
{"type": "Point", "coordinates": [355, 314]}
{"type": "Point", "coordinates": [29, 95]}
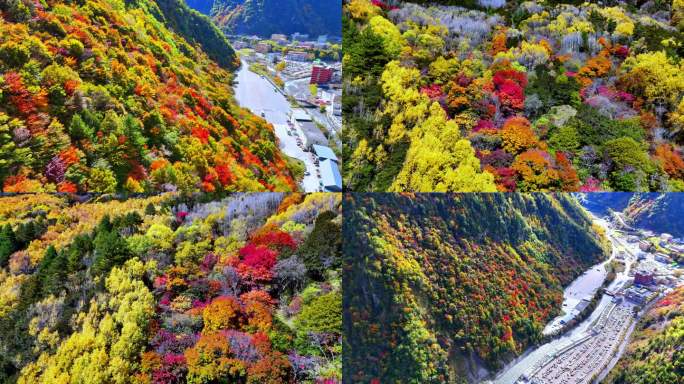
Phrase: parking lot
{"type": "Point", "coordinates": [581, 361]}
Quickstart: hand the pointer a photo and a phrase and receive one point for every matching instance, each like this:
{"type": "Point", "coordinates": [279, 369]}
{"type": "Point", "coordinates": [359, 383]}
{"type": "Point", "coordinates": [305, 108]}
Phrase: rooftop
{"type": "Point", "coordinates": [324, 152]}
{"type": "Point", "coordinates": [312, 133]}
{"type": "Point", "coordinates": [300, 115]}
{"type": "Point", "coordinates": [330, 175]}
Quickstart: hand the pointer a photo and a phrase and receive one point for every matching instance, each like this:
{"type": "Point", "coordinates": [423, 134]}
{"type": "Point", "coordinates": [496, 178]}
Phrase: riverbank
{"type": "Point", "coordinates": [259, 95]}
{"type": "Point", "coordinates": [573, 332]}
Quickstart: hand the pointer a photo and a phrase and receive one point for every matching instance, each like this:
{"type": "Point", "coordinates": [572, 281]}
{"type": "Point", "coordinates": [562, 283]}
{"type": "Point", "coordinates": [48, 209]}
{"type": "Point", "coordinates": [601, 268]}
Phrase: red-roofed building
{"type": "Point", "coordinates": [321, 74]}
{"type": "Point", "coordinates": [643, 278]}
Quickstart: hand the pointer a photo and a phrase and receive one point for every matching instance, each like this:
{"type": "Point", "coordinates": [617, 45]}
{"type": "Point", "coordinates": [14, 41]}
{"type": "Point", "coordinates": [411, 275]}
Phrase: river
{"type": "Point", "coordinates": [259, 95]}
{"type": "Point", "coordinates": [584, 286]}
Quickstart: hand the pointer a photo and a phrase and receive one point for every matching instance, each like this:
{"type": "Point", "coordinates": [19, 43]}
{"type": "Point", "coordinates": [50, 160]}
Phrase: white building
{"type": "Point", "coordinates": [300, 36]}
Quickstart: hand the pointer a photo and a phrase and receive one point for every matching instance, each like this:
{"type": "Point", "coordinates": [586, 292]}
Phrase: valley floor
{"type": "Point", "coordinates": [586, 351]}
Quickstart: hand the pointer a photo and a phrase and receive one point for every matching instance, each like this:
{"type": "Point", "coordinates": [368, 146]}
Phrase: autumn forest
{"type": "Point", "coordinates": [513, 95]}
{"type": "Point", "coordinates": [125, 96]}
{"type": "Point", "coordinates": [171, 289]}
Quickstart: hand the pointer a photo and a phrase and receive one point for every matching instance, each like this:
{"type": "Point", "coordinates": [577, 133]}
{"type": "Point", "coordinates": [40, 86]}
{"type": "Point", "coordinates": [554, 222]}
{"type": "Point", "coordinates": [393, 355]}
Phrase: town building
{"type": "Point", "coordinates": [263, 48]}
{"type": "Point", "coordinates": [300, 36]}
{"type": "Point", "coordinates": [638, 295]}
{"type": "Point", "coordinates": [321, 74]}
{"type": "Point", "coordinates": [643, 278]}
{"type": "Point", "coordinates": [305, 45]}
{"type": "Point", "coordinates": [324, 153]}
{"type": "Point", "coordinates": [645, 245]}
{"type": "Point", "coordinates": [297, 56]}
{"type": "Point", "coordinates": [240, 45]}
{"type": "Point", "coordinates": [279, 38]}
{"type": "Point", "coordinates": [312, 134]}
{"type": "Point", "coordinates": [329, 167]}
{"type": "Point", "coordinates": [330, 176]}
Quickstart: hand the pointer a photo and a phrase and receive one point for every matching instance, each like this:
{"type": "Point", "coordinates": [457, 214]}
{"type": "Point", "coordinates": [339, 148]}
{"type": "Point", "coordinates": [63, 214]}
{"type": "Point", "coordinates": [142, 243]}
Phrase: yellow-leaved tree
{"type": "Point", "coordinates": [392, 40]}
{"type": "Point", "coordinates": [654, 76]}
{"type": "Point", "coordinates": [440, 160]}
{"type": "Point", "coordinates": [111, 338]}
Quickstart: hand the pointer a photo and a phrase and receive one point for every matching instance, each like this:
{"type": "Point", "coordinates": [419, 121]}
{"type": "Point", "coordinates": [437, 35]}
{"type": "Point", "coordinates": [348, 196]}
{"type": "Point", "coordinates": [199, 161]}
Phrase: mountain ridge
{"type": "Point", "coordinates": [267, 17]}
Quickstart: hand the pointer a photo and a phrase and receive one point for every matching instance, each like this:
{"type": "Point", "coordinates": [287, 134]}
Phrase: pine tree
{"type": "Point", "coordinates": [322, 248]}
{"type": "Point", "coordinates": [110, 250]}
{"type": "Point", "coordinates": [8, 244]}
{"type": "Point", "coordinates": [82, 245]}
{"type": "Point", "coordinates": [44, 269]}
{"type": "Point", "coordinates": [25, 232]}
{"type": "Point", "coordinates": [150, 210]}
{"type": "Point", "coordinates": [79, 129]}
{"type": "Point", "coordinates": [56, 274]}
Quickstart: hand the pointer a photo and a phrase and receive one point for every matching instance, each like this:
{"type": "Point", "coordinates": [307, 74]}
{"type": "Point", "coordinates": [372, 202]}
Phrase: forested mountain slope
{"type": "Point", "coordinates": [197, 28]}
{"type": "Point", "coordinates": [602, 203]}
{"type": "Point", "coordinates": [265, 17]}
{"type": "Point", "coordinates": [439, 285]}
{"type": "Point", "coordinates": [104, 96]}
{"type": "Point", "coordinates": [536, 95]}
{"type": "Point", "coordinates": [655, 354]}
{"type": "Point", "coordinates": [201, 6]}
{"type": "Point", "coordinates": [657, 212]}
{"type": "Point", "coordinates": [170, 289]}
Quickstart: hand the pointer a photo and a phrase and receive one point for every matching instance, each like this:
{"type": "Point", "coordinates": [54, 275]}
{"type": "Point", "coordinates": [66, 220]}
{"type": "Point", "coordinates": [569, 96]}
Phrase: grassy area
{"type": "Point", "coordinates": [245, 52]}
{"type": "Point", "coordinates": [261, 69]}
{"type": "Point", "coordinates": [298, 167]}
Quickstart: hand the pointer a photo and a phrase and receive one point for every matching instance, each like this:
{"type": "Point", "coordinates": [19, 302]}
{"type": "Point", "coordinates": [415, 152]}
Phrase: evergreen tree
{"type": "Point", "coordinates": [8, 244]}
{"type": "Point", "coordinates": [150, 210]}
{"type": "Point", "coordinates": [44, 269]}
{"type": "Point", "coordinates": [79, 129]}
{"type": "Point", "coordinates": [110, 250]}
{"type": "Point", "coordinates": [82, 245]}
{"type": "Point", "coordinates": [105, 225]}
{"type": "Point", "coordinates": [323, 247]}
{"type": "Point", "coordinates": [56, 273]}
{"type": "Point", "coordinates": [25, 232]}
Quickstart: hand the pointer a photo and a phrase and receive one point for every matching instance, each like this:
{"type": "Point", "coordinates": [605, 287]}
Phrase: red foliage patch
{"type": "Point", "coordinates": [67, 187]}
{"type": "Point", "coordinates": [258, 257]}
{"type": "Point", "coordinates": [381, 4]}
{"type": "Point", "coordinates": [274, 240]}
{"type": "Point", "coordinates": [433, 91]}
{"type": "Point", "coordinates": [510, 88]}
{"type": "Point", "coordinates": [201, 133]}
{"type": "Point", "coordinates": [225, 176]}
